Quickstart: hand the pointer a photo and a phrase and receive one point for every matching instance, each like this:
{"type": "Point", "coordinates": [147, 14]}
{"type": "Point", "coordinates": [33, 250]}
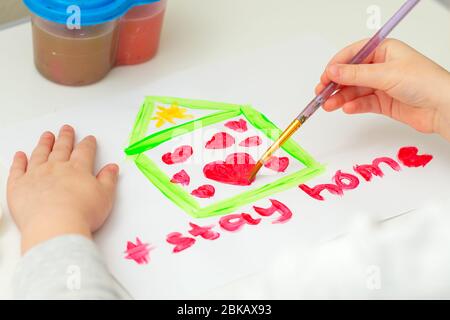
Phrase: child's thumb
{"type": "Point", "coordinates": [108, 177]}
{"type": "Point", "coordinates": [374, 76]}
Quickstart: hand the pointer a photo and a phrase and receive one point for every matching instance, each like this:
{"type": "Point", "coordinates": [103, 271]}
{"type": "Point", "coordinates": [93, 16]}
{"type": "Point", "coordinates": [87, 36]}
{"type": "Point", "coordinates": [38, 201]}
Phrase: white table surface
{"type": "Point", "coordinates": [198, 32]}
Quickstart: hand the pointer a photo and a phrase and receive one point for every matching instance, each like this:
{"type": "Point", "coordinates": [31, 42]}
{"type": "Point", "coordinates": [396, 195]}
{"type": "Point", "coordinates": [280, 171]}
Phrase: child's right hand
{"type": "Point", "coordinates": [396, 81]}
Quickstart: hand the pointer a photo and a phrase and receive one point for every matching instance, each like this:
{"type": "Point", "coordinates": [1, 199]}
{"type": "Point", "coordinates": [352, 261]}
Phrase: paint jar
{"type": "Point", "coordinates": [76, 42]}
{"type": "Point", "coordinates": [74, 57]}
{"type": "Point", "coordinates": [140, 31]}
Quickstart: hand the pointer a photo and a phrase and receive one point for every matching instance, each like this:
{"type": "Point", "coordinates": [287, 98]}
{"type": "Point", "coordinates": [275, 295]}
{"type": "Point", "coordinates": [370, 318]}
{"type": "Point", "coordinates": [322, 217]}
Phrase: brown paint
{"type": "Point", "coordinates": [74, 57]}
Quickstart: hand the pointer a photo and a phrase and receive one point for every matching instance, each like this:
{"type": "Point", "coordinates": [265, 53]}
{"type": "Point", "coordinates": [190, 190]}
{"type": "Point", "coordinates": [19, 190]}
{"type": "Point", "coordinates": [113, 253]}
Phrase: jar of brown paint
{"type": "Point", "coordinates": [74, 57]}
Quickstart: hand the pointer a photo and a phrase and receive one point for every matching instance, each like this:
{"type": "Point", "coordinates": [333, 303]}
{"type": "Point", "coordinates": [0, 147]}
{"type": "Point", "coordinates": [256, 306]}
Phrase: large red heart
{"type": "Point", "coordinates": [409, 157]}
{"type": "Point", "coordinates": [235, 170]}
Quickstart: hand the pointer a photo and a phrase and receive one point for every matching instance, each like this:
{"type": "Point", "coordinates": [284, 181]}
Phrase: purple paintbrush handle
{"type": "Point", "coordinates": [363, 54]}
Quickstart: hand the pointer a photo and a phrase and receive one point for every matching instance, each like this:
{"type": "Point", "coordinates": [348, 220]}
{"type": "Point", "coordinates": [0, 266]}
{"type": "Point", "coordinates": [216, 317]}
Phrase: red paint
{"type": "Point", "coordinates": [251, 142]}
{"type": "Point", "coordinates": [204, 192]}
{"type": "Point", "coordinates": [235, 170]}
{"type": "Point", "coordinates": [234, 222]}
{"type": "Point", "coordinates": [240, 158]}
{"type": "Point", "coordinates": [181, 243]}
{"type": "Point", "coordinates": [265, 212]}
{"type": "Point", "coordinates": [204, 232]}
{"type": "Point", "coordinates": [409, 157]}
{"type": "Point", "coordinates": [346, 181]}
{"type": "Point", "coordinates": [367, 171]}
{"type": "Point", "coordinates": [315, 192]}
{"type": "Point", "coordinates": [238, 126]}
{"type": "Point", "coordinates": [277, 164]}
{"type": "Point", "coordinates": [181, 154]}
{"type": "Point", "coordinates": [138, 252]}
{"type": "Point", "coordinates": [250, 220]}
{"type": "Point", "coordinates": [392, 163]}
{"type": "Point", "coordinates": [139, 35]}
{"type": "Point", "coordinates": [181, 178]}
{"type": "Point", "coordinates": [220, 140]}
{"type": "Point", "coordinates": [277, 206]}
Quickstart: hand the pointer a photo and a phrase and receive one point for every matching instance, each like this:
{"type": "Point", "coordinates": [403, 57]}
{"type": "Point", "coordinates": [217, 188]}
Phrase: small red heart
{"type": "Point", "coordinates": [238, 126]}
{"type": "Point", "coordinates": [409, 157]}
{"type": "Point", "coordinates": [220, 140]}
{"type": "Point", "coordinates": [182, 178]}
{"type": "Point", "coordinates": [239, 158]}
{"type": "Point", "coordinates": [277, 164]}
{"type": "Point", "coordinates": [251, 142]}
{"type": "Point", "coordinates": [181, 154]}
{"type": "Point", "coordinates": [205, 191]}
{"type": "Point", "coordinates": [235, 170]}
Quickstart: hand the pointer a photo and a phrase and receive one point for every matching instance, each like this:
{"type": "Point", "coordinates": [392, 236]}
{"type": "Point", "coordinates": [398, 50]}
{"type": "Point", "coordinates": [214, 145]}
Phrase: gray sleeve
{"type": "Point", "coordinates": [65, 267]}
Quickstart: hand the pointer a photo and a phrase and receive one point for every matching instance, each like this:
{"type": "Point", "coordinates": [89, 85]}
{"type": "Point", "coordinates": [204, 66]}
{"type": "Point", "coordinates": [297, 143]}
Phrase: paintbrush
{"type": "Point", "coordinates": [329, 90]}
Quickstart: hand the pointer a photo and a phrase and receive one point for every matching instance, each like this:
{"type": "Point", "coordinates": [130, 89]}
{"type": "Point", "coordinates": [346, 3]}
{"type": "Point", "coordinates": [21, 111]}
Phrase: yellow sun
{"type": "Point", "coordinates": [169, 114]}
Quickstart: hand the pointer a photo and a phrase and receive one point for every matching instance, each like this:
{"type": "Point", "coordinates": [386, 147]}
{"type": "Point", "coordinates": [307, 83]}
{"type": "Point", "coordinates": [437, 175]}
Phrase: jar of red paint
{"type": "Point", "coordinates": [140, 31]}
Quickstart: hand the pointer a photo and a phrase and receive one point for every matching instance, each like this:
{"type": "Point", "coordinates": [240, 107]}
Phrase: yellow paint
{"type": "Point", "coordinates": [170, 114]}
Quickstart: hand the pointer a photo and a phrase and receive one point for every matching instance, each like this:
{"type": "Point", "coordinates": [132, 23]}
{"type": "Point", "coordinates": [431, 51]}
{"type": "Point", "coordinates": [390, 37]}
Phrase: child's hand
{"type": "Point", "coordinates": [396, 81]}
{"type": "Point", "coordinates": [56, 193]}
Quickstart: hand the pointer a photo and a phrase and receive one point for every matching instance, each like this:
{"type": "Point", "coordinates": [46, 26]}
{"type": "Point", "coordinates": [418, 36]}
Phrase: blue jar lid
{"type": "Point", "coordinates": [91, 11]}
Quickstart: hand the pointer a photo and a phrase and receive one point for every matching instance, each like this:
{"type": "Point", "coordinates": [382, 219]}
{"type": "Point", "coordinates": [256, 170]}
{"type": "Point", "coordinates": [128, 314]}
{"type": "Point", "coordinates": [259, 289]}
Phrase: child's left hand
{"type": "Point", "coordinates": [55, 192]}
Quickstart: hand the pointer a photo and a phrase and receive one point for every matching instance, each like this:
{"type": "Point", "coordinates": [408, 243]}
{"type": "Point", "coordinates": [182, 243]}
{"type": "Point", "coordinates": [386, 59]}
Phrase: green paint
{"type": "Point", "coordinates": [171, 190]}
{"type": "Point", "coordinates": [164, 135]}
{"type": "Point", "coordinates": [142, 121]}
{"type": "Point", "coordinates": [139, 143]}
{"type": "Point", "coordinates": [260, 121]}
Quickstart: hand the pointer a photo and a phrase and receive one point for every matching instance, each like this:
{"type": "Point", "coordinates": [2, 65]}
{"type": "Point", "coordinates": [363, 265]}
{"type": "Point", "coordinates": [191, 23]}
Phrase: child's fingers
{"type": "Point", "coordinates": [377, 76]}
{"type": "Point", "coordinates": [418, 118]}
{"type": "Point", "coordinates": [64, 144]}
{"type": "Point", "coordinates": [41, 152]}
{"type": "Point", "coordinates": [84, 153]}
{"type": "Point", "coordinates": [324, 79]}
{"type": "Point", "coordinates": [344, 57]}
{"type": "Point", "coordinates": [108, 177]}
{"type": "Point", "coordinates": [345, 95]}
{"type": "Point", "coordinates": [19, 166]}
{"type": "Point", "coordinates": [365, 104]}
{"type": "Point", "coordinates": [347, 54]}
{"type": "Point", "coordinates": [318, 88]}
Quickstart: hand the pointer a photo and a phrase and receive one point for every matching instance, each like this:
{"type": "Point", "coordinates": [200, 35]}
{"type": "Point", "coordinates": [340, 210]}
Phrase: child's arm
{"type": "Point", "coordinates": [57, 202]}
{"type": "Point", "coordinates": [396, 81]}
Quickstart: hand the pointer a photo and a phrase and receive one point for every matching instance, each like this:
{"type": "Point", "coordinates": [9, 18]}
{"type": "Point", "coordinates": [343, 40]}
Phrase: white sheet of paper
{"type": "Point", "coordinates": [278, 89]}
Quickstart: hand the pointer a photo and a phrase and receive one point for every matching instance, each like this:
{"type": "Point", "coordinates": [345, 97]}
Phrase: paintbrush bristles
{"type": "Point", "coordinates": [255, 170]}
{"type": "Point", "coordinates": [293, 127]}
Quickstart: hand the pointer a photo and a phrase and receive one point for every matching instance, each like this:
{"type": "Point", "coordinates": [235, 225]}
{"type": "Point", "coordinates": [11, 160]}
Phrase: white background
{"type": "Point", "coordinates": [199, 32]}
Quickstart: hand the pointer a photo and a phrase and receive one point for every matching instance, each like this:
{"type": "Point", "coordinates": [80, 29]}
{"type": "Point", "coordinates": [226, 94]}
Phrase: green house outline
{"type": "Point", "coordinates": [139, 143]}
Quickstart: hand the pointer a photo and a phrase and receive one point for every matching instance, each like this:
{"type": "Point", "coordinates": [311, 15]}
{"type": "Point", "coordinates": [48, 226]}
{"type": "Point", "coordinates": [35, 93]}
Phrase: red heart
{"type": "Point", "coordinates": [220, 140]}
{"type": "Point", "coordinates": [277, 164]}
{"type": "Point", "coordinates": [409, 157]}
{"type": "Point", "coordinates": [251, 142]}
{"type": "Point", "coordinates": [182, 178]}
{"type": "Point", "coordinates": [205, 191]}
{"type": "Point", "coordinates": [238, 126]}
{"type": "Point", "coordinates": [181, 154]}
{"type": "Point", "coordinates": [235, 170]}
